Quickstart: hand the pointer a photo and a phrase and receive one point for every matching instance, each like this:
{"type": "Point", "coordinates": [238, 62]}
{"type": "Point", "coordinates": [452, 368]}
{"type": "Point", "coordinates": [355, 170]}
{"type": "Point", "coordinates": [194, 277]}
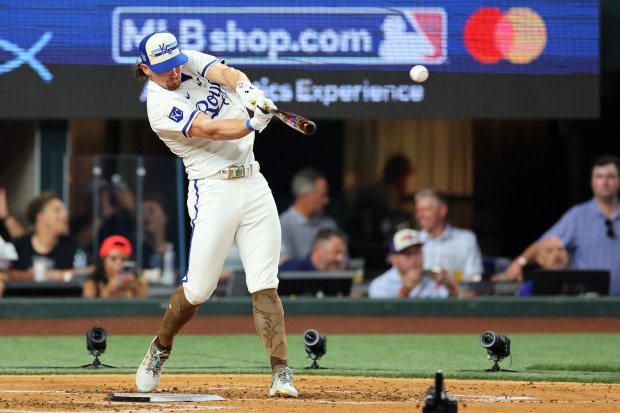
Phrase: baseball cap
{"type": "Point", "coordinates": [404, 239]}
{"type": "Point", "coordinates": [115, 243]}
{"type": "Point", "coordinates": [160, 52]}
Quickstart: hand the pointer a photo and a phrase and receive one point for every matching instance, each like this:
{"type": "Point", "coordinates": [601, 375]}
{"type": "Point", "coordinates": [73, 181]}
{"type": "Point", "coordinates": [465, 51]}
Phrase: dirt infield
{"type": "Point", "coordinates": [247, 393]}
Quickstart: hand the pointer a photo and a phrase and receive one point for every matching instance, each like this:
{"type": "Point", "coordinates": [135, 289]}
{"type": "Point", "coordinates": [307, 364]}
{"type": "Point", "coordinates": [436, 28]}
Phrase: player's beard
{"type": "Point", "coordinates": [173, 84]}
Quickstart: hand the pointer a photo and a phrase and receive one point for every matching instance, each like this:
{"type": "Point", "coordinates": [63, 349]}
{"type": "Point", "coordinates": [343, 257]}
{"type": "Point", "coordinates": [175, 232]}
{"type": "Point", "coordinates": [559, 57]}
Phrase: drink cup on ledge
{"type": "Point", "coordinates": [41, 266]}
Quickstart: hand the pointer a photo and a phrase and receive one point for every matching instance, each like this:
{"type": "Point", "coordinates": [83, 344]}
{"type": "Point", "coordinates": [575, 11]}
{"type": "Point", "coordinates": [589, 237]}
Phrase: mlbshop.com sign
{"type": "Point", "coordinates": [300, 36]}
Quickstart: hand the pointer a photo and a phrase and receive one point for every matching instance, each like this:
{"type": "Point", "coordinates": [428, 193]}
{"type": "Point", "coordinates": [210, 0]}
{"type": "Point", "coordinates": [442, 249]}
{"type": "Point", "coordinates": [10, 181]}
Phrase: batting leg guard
{"type": "Point", "coordinates": [269, 321]}
{"type": "Point", "coordinates": [178, 313]}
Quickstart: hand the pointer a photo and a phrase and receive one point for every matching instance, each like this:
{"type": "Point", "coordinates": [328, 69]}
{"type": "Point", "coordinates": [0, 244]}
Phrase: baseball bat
{"type": "Point", "coordinates": [295, 121]}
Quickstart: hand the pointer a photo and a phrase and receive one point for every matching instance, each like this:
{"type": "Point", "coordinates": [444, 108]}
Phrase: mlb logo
{"type": "Point", "coordinates": [417, 36]}
{"type": "Point", "coordinates": [175, 114]}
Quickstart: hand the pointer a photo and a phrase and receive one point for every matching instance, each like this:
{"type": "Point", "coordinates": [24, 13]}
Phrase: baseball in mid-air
{"type": "Point", "coordinates": [418, 73]}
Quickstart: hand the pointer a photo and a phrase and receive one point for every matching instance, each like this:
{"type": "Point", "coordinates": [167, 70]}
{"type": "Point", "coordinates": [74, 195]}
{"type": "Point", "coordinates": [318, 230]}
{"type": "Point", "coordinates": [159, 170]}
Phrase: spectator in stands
{"type": "Point", "coordinates": [551, 255]}
{"type": "Point", "coordinates": [328, 253]}
{"type": "Point", "coordinates": [407, 278]}
{"type": "Point", "coordinates": [7, 254]}
{"type": "Point", "coordinates": [11, 227]}
{"type": "Point", "coordinates": [49, 217]}
{"type": "Point", "coordinates": [445, 246]}
{"type": "Point", "coordinates": [302, 221]}
{"type": "Point", "coordinates": [379, 210]}
{"type": "Point", "coordinates": [117, 209]}
{"type": "Point", "coordinates": [114, 275]}
{"type": "Point", "coordinates": [156, 238]}
{"type": "Point", "coordinates": [108, 209]}
{"type": "Point", "coordinates": [590, 230]}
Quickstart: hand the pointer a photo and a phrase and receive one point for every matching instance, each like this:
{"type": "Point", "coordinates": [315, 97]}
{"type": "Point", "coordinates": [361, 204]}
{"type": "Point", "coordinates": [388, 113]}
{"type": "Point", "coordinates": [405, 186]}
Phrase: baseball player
{"type": "Point", "coordinates": [197, 106]}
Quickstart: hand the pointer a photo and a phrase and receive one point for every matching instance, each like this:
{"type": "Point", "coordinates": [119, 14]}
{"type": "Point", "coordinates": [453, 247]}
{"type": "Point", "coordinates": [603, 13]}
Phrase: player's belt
{"type": "Point", "coordinates": [239, 171]}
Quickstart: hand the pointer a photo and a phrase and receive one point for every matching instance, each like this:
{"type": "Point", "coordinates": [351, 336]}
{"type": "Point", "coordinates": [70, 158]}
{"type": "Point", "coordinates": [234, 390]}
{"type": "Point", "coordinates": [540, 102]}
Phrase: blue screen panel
{"type": "Point", "coordinates": [322, 42]}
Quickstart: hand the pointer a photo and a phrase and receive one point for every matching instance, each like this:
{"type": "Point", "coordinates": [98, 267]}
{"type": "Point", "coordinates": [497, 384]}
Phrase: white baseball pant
{"type": "Point", "coordinates": [222, 211]}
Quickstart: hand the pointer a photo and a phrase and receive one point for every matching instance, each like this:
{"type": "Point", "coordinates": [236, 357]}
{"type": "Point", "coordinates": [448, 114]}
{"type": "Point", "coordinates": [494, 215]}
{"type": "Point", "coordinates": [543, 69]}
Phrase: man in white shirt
{"type": "Point", "coordinates": [453, 249]}
{"type": "Point", "coordinates": [407, 278]}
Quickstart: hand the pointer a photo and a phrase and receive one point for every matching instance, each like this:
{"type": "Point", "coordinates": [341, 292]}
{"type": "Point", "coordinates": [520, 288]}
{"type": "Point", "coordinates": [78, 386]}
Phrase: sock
{"type": "Point", "coordinates": [160, 346]}
{"type": "Point", "coordinates": [178, 313]}
{"type": "Point", "coordinates": [269, 322]}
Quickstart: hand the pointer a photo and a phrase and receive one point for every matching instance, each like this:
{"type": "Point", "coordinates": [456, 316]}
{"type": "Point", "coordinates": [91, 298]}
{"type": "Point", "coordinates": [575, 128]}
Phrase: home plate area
{"type": "Point", "coordinates": [164, 398]}
{"type": "Point", "coordinates": [335, 394]}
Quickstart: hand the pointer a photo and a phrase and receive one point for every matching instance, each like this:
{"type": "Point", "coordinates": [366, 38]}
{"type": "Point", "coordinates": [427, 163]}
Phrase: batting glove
{"type": "Point", "coordinates": [249, 94]}
{"type": "Point", "coordinates": [262, 117]}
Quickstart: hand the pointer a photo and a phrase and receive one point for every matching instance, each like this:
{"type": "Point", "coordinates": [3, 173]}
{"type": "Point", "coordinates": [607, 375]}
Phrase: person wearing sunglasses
{"type": "Point", "coordinates": [590, 230]}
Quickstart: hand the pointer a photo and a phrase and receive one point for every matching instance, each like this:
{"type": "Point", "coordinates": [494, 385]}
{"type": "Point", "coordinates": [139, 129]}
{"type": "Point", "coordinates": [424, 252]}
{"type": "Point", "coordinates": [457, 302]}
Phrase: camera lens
{"type": "Point", "coordinates": [311, 337]}
{"type": "Point", "coordinates": [315, 344]}
{"type": "Point", "coordinates": [497, 346]}
{"type": "Point", "coordinates": [487, 339]}
{"type": "Point", "coordinates": [97, 335]}
{"type": "Point", "coordinates": [96, 340]}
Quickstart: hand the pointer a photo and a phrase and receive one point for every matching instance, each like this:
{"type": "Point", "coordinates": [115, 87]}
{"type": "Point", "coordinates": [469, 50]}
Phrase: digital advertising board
{"type": "Point", "coordinates": [327, 59]}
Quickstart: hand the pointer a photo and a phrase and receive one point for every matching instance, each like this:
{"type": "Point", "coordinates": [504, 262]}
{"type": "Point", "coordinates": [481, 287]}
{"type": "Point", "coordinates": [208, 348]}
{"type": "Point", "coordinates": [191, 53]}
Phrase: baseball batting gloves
{"type": "Point", "coordinates": [249, 94]}
{"type": "Point", "coordinates": [262, 117]}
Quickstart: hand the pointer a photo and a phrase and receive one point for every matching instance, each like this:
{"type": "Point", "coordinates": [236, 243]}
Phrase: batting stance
{"type": "Point", "coordinates": [197, 106]}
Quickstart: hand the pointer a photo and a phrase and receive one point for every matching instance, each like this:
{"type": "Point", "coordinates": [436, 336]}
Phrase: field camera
{"type": "Point", "coordinates": [316, 346]}
{"type": "Point", "coordinates": [96, 344]}
{"type": "Point", "coordinates": [497, 346]}
{"type": "Point", "coordinates": [96, 340]}
{"type": "Point", "coordinates": [437, 401]}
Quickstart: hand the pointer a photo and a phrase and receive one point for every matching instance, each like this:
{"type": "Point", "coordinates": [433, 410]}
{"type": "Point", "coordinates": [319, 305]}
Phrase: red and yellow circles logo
{"type": "Point", "coordinates": [518, 35]}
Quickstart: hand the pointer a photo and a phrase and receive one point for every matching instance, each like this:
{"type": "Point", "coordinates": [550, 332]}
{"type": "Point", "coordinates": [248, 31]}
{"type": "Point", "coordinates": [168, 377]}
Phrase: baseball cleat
{"type": "Point", "coordinates": [150, 369]}
{"type": "Point", "coordinates": [282, 384]}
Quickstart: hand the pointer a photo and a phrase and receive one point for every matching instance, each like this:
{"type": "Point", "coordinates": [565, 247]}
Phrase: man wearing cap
{"type": "Point", "coordinates": [407, 278]}
{"type": "Point", "coordinates": [198, 107]}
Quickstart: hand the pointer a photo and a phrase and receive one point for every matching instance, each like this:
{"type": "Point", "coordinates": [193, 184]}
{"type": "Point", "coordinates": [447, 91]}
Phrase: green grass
{"type": "Point", "coordinates": [535, 357]}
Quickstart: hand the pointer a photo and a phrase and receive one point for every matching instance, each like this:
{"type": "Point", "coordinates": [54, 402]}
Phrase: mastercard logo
{"type": "Point", "coordinates": [518, 35]}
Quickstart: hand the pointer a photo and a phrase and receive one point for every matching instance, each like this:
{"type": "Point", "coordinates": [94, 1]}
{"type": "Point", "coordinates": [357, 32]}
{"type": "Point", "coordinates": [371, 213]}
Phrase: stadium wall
{"type": "Point", "coordinates": [16, 308]}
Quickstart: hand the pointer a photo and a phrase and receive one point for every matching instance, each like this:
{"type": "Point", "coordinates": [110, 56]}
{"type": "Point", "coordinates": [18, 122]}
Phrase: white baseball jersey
{"type": "Point", "coordinates": [171, 113]}
{"type": "Point", "coordinates": [222, 211]}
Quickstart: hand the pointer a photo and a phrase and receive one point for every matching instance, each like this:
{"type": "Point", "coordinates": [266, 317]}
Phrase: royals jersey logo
{"type": "Point", "coordinates": [213, 100]}
{"type": "Point", "coordinates": [175, 114]}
